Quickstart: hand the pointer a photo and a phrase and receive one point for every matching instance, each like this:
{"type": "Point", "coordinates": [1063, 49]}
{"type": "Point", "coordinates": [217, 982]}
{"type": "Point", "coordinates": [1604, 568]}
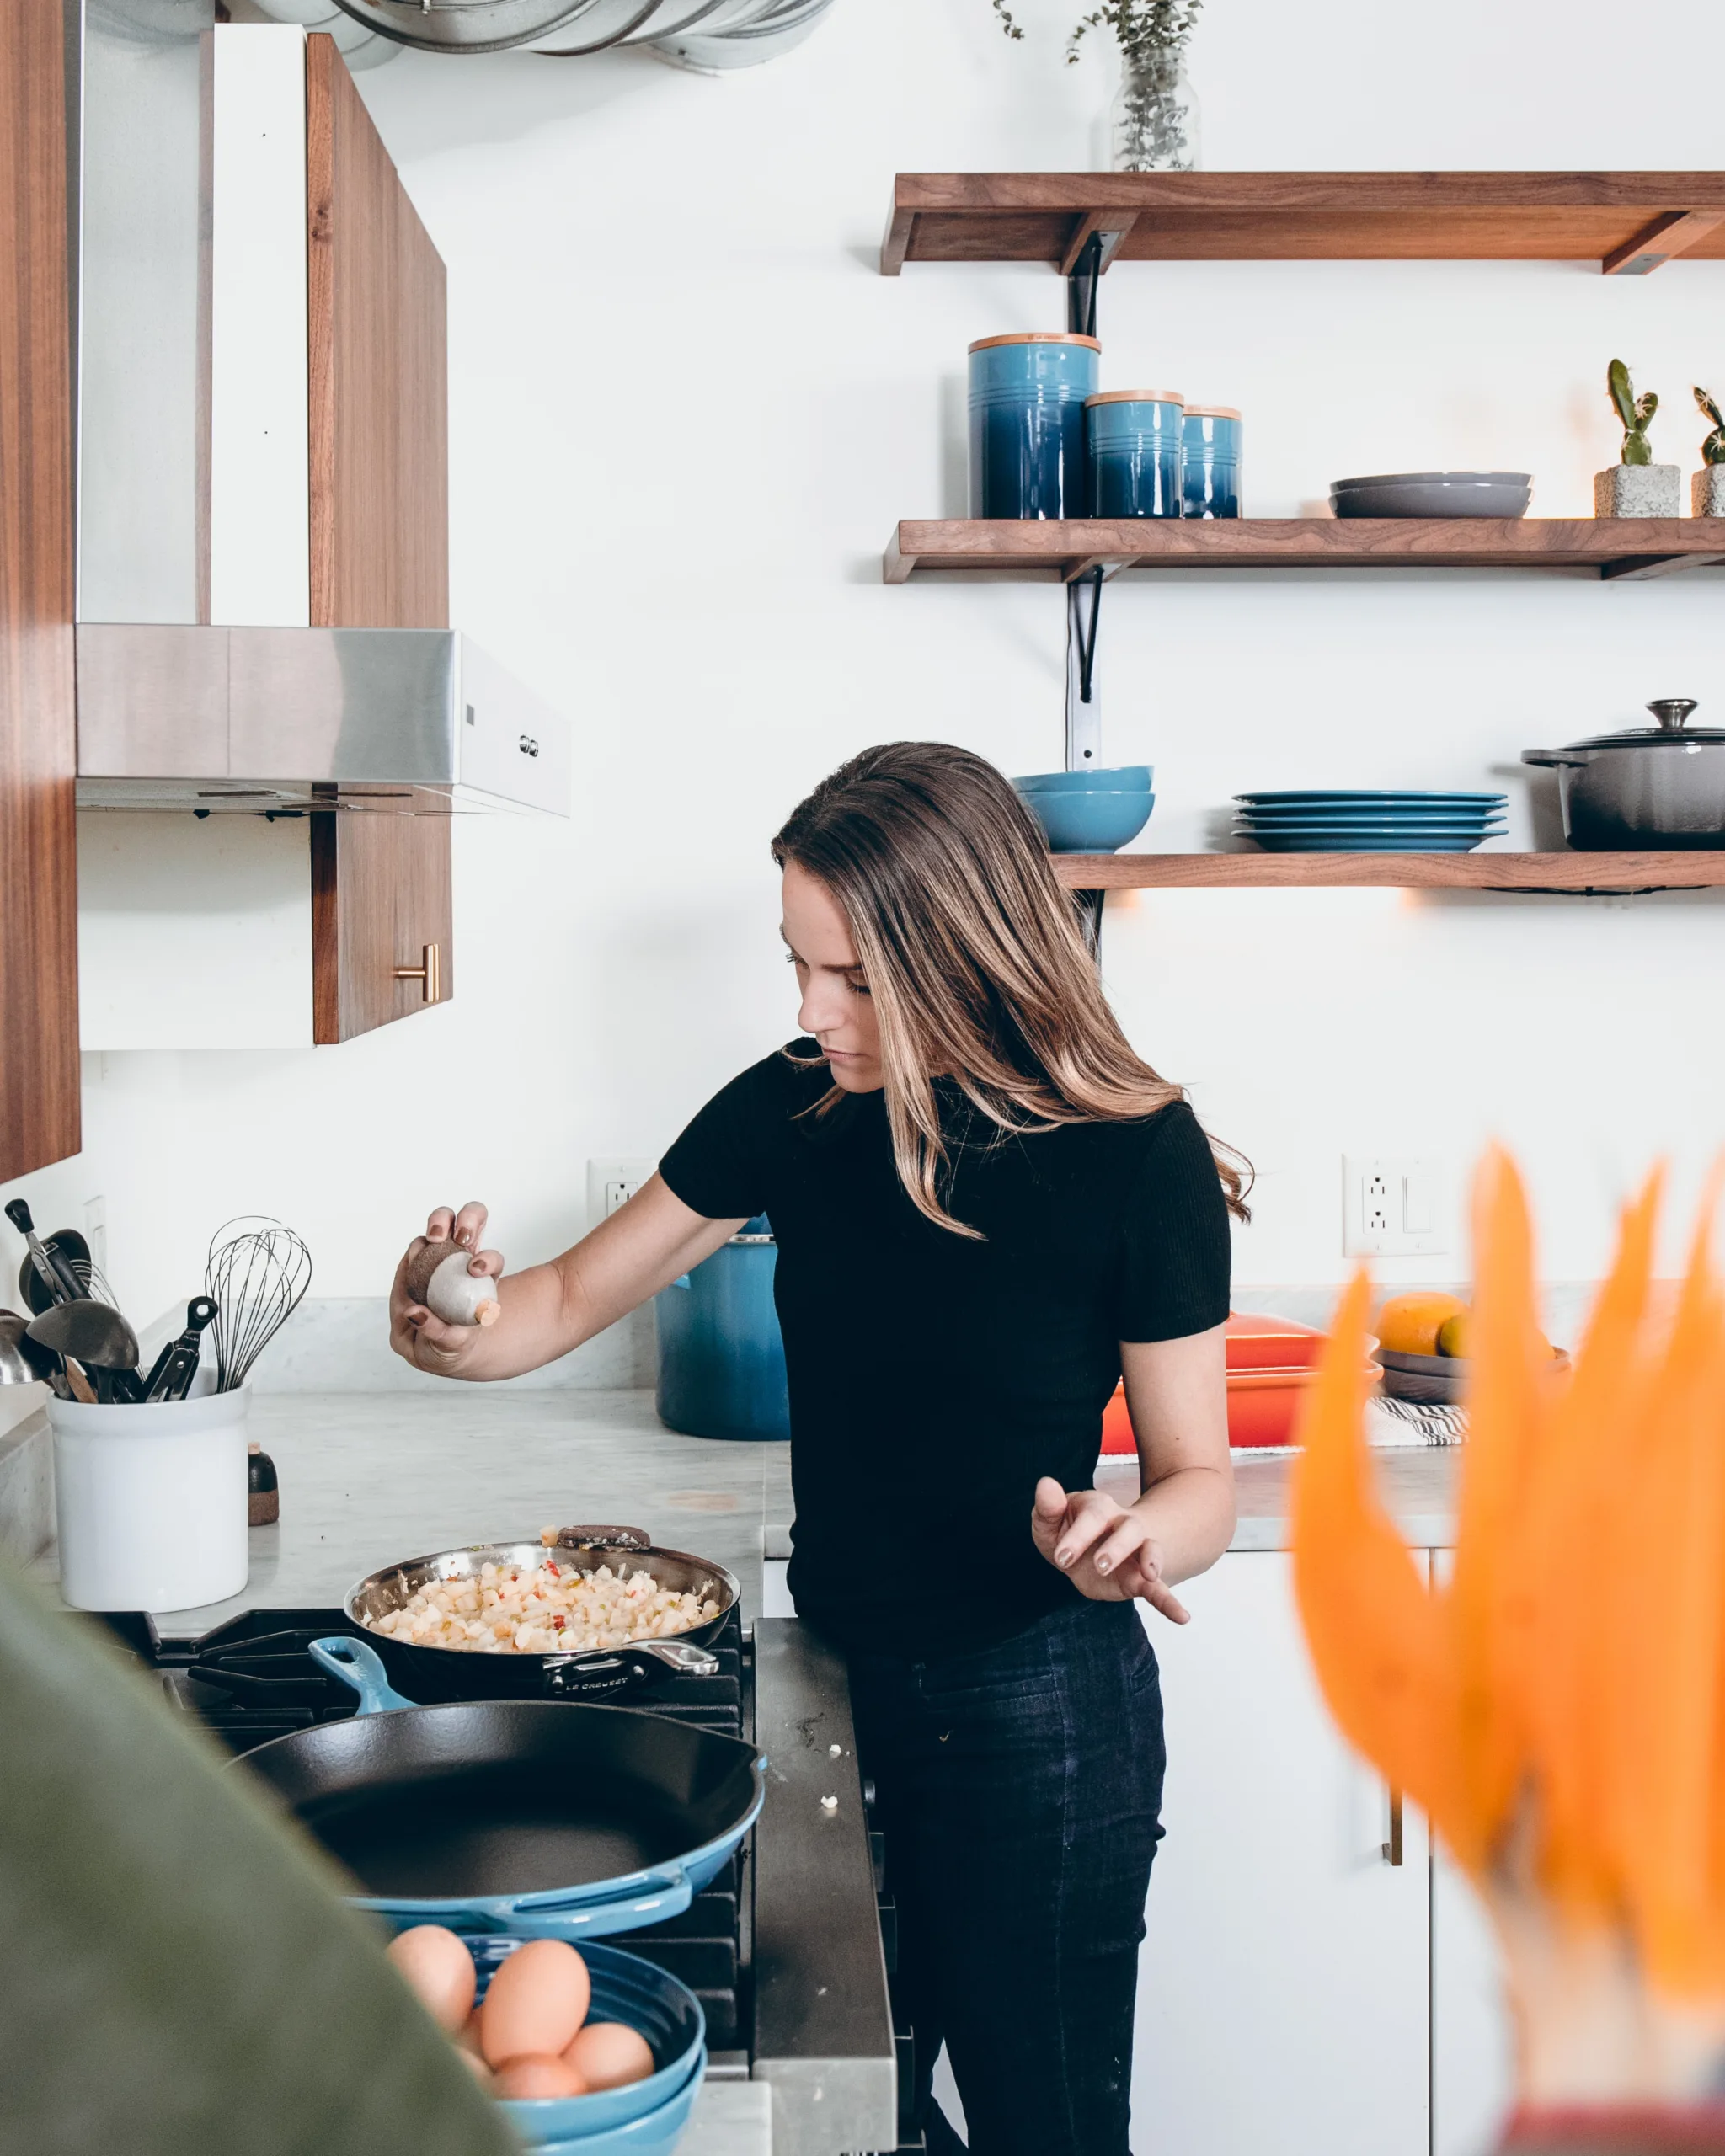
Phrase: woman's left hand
{"type": "Point", "coordinates": [1106, 1549]}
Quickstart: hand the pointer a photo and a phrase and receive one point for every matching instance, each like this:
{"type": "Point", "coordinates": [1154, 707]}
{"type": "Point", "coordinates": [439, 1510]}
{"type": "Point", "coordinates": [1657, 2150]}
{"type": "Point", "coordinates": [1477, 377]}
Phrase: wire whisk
{"type": "Point", "coordinates": [257, 1274]}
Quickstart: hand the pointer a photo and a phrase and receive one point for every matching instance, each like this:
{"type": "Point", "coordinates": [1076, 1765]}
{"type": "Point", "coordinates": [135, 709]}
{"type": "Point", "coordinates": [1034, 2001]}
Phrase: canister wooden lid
{"type": "Point", "coordinates": [1136, 397]}
{"type": "Point", "coordinates": [1211, 412]}
{"type": "Point", "coordinates": [1038, 337]}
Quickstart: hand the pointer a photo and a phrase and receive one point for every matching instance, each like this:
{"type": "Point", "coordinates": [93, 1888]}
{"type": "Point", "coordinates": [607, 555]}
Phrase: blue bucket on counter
{"type": "Point", "coordinates": [721, 1354]}
{"type": "Point", "coordinates": [1211, 458]}
{"type": "Point", "coordinates": [1027, 423]}
{"type": "Point", "coordinates": [1136, 449]}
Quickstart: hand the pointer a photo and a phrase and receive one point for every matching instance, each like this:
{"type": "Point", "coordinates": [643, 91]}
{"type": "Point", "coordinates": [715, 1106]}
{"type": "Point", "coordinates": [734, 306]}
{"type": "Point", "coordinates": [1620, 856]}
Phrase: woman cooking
{"type": "Point", "coordinates": [987, 1208]}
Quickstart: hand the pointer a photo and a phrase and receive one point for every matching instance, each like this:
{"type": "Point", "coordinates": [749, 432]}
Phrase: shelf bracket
{"type": "Point", "coordinates": [1674, 233]}
{"type": "Point", "coordinates": [1083, 693]}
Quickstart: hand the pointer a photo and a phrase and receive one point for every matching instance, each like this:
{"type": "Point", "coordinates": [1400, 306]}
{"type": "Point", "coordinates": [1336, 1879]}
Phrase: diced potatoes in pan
{"type": "Point", "coordinates": [546, 1609]}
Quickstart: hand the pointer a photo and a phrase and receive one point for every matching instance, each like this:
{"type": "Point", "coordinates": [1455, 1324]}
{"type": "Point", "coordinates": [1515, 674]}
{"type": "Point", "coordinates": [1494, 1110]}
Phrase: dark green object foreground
{"type": "Point", "coordinates": [179, 1976]}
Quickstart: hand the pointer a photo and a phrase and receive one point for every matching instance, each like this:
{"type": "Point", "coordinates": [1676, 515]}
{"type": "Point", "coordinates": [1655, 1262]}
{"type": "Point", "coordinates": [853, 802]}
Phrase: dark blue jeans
{"type": "Point", "coordinates": [1019, 1789]}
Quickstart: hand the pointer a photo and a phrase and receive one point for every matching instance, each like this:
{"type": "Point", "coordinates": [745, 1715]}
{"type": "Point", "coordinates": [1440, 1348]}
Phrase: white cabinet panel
{"type": "Point", "coordinates": [1472, 2059]}
{"type": "Point", "coordinates": [193, 934]}
{"type": "Point", "coordinates": [1472, 2054]}
{"type": "Point", "coordinates": [1284, 1994]}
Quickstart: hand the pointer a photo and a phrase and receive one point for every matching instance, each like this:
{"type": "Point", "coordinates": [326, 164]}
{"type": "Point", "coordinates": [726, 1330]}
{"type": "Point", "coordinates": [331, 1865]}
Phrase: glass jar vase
{"type": "Point", "coordinates": [1153, 121]}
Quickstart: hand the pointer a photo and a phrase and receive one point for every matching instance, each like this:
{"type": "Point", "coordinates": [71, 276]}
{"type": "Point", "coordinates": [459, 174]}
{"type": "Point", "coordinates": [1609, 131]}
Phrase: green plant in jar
{"type": "Point", "coordinates": [1154, 121]}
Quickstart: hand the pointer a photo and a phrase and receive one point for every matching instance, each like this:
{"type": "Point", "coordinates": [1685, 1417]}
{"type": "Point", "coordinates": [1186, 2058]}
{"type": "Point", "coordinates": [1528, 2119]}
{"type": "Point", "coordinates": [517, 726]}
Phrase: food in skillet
{"type": "Point", "coordinates": [545, 1609]}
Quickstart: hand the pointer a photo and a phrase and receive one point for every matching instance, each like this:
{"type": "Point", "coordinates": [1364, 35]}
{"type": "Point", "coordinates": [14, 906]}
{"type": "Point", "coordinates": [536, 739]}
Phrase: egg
{"type": "Point", "coordinates": [537, 2000]}
{"type": "Point", "coordinates": [467, 2035]}
{"type": "Point", "coordinates": [532, 2080]}
{"type": "Point", "coordinates": [438, 1970]}
{"type": "Point", "coordinates": [439, 1278]}
{"type": "Point", "coordinates": [610, 2055]}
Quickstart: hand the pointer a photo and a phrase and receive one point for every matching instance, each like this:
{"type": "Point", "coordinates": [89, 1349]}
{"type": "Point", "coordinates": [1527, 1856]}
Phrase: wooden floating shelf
{"type": "Point", "coordinates": [1052, 551]}
{"type": "Point", "coordinates": [1598, 873]}
{"type": "Point", "coordinates": [1627, 222]}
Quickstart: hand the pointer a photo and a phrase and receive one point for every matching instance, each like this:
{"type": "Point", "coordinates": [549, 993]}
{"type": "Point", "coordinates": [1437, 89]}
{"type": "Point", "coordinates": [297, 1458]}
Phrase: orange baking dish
{"type": "Point", "coordinates": [1271, 1363]}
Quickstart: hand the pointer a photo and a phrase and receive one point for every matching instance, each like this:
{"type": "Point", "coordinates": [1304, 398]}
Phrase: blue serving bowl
{"type": "Point", "coordinates": [655, 2135]}
{"type": "Point", "coordinates": [625, 1989]}
{"type": "Point", "coordinates": [1125, 778]}
{"type": "Point", "coordinates": [1090, 823]}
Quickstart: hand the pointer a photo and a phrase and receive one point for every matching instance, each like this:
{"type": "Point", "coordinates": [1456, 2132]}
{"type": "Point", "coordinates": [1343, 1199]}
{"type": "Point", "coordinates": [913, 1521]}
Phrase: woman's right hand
{"type": "Point", "coordinates": [415, 1335]}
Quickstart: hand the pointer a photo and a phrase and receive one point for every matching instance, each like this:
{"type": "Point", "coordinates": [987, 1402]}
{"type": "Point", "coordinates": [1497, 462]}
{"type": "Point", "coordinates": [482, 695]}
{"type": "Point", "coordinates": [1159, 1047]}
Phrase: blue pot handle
{"type": "Point", "coordinates": [358, 1665]}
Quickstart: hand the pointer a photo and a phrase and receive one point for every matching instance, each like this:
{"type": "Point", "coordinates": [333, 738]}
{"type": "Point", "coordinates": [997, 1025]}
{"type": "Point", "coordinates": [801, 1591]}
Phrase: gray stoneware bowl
{"type": "Point", "coordinates": [1435, 493]}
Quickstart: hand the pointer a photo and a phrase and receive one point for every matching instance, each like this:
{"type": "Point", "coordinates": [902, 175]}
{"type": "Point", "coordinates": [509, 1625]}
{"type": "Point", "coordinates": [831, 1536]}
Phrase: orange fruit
{"type": "Point", "coordinates": [1409, 1325]}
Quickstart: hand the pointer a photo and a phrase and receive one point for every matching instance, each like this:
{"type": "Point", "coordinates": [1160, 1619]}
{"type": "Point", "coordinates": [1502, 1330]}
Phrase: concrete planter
{"type": "Point", "coordinates": [1706, 491]}
{"type": "Point", "coordinates": [1639, 490]}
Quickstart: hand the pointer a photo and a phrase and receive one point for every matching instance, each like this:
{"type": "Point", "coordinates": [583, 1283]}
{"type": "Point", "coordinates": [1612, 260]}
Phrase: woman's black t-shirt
{"type": "Point", "coordinates": [934, 1378]}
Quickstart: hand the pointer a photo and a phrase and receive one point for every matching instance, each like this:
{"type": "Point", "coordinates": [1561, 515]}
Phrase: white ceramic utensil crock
{"type": "Point", "coordinates": [152, 1501]}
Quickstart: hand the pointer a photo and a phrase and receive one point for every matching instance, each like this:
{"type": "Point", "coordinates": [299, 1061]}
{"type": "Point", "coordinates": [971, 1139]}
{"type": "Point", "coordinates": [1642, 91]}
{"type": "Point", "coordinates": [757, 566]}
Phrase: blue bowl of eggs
{"type": "Point", "coordinates": [1090, 811]}
{"type": "Point", "coordinates": [591, 2049]}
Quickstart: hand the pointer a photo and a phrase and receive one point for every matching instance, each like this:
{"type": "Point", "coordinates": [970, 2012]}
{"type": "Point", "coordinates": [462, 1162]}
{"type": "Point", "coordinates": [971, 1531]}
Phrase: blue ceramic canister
{"type": "Point", "coordinates": [721, 1354]}
{"type": "Point", "coordinates": [1135, 449]}
{"type": "Point", "coordinates": [1211, 434]}
{"type": "Point", "coordinates": [1027, 423]}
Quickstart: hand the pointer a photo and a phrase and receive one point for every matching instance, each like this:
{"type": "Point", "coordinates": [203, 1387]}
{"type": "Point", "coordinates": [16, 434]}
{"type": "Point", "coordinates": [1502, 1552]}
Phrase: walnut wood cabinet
{"type": "Point", "coordinates": [39, 1049]}
{"type": "Point", "coordinates": [379, 495]}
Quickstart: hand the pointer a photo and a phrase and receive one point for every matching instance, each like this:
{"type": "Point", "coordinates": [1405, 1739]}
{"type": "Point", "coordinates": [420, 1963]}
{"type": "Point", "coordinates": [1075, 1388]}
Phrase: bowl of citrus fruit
{"type": "Point", "coordinates": [1423, 1346]}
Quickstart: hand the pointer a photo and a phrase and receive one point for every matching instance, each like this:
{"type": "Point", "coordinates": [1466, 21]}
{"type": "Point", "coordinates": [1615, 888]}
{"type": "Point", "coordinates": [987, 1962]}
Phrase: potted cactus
{"type": "Point", "coordinates": [1636, 486]}
{"type": "Point", "coordinates": [1707, 488]}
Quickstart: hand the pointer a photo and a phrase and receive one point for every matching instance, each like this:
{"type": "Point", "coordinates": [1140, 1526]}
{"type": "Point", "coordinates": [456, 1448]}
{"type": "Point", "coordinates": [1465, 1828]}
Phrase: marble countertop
{"type": "Point", "coordinates": [368, 1479]}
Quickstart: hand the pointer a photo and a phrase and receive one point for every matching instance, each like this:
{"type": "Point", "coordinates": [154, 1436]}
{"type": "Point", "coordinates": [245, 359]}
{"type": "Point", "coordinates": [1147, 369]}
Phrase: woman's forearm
{"type": "Point", "coordinates": [539, 1322]}
{"type": "Point", "coordinates": [1191, 1514]}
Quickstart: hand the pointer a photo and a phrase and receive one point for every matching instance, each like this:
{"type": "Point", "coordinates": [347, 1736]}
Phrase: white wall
{"type": "Point", "coordinates": [686, 414]}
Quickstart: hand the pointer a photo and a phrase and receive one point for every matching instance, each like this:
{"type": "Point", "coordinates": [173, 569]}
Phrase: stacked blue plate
{"type": "Point", "coordinates": [1381, 821]}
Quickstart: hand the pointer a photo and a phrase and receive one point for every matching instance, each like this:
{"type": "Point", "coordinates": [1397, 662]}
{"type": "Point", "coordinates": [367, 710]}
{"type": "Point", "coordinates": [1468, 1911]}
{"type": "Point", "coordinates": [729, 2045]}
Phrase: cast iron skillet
{"type": "Point", "coordinates": [543, 1816]}
{"type": "Point", "coordinates": [434, 1673]}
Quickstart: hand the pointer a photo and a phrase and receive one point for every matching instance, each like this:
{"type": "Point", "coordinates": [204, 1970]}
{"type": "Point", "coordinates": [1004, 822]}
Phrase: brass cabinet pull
{"type": "Point", "coordinates": [430, 973]}
{"type": "Point", "coordinates": [1392, 1848]}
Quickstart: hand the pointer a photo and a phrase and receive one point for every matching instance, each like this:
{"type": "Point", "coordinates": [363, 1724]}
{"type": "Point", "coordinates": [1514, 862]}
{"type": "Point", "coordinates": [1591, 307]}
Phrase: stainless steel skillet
{"type": "Point", "coordinates": [442, 1674]}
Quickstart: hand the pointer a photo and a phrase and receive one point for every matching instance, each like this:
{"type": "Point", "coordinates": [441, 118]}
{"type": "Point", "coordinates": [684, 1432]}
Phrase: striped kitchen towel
{"type": "Point", "coordinates": [1413, 1422]}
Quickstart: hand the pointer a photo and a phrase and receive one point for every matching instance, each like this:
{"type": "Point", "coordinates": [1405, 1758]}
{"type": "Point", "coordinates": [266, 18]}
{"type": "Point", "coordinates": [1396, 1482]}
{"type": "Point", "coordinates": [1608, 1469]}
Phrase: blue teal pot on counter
{"type": "Point", "coordinates": [1135, 452]}
{"type": "Point", "coordinates": [1027, 423]}
{"type": "Point", "coordinates": [721, 1355]}
{"type": "Point", "coordinates": [1210, 459]}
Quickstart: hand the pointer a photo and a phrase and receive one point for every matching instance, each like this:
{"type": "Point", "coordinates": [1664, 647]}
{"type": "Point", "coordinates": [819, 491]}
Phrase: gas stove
{"type": "Point", "coordinates": [790, 1949]}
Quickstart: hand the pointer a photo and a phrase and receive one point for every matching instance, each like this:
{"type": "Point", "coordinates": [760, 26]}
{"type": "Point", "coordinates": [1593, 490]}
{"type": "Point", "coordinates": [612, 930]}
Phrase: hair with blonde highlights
{"type": "Point", "coordinates": [973, 956]}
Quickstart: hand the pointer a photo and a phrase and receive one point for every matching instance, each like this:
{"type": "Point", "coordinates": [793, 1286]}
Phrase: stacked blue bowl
{"type": "Point", "coordinates": [1090, 811]}
{"type": "Point", "coordinates": [1379, 820]}
{"type": "Point", "coordinates": [646, 2118]}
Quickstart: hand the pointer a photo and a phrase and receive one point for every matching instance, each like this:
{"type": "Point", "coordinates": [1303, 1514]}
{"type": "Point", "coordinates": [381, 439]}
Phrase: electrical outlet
{"type": "Point", "coordinates": [612, 1184]}
{"type": "Point", "coordinates": [96, 1231]}
{"type": "Point", "coordinates": [1394, 1207]}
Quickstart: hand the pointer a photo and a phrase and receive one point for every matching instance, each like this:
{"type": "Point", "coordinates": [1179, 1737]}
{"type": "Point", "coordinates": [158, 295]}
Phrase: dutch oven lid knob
{"type": "Point", "coordinates": [1672, 711]}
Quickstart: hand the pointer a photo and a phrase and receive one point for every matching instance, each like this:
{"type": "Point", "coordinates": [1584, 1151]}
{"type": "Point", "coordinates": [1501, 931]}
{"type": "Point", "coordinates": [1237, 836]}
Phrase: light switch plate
{"type": "Point", "coordinates": [1395, 1207]}
{"type": "Point", "coordinates": [611, 1183]}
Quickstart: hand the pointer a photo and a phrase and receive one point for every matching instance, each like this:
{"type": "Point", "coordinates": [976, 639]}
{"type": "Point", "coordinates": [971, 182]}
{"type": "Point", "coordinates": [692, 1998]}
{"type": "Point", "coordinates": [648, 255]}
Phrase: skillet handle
{"type": "Point", "coordinates": [358, 1665]}
{"type": "Point", "coordinates": [655, 1899]}
{"type": "Point", "coordinates": [602, 1538]}
{"type": "Point", "coordinates": [606, 1671]}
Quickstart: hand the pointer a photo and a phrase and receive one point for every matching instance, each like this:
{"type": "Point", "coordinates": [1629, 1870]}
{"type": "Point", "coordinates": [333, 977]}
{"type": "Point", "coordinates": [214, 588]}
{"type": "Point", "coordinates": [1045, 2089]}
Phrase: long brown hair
{"type": "Point", "coordinates": [973, 957]}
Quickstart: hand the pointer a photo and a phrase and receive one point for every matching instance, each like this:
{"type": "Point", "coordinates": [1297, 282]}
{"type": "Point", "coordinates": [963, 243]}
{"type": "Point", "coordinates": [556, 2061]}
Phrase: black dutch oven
{"type": "Point", "coordinates": [1649, 788]}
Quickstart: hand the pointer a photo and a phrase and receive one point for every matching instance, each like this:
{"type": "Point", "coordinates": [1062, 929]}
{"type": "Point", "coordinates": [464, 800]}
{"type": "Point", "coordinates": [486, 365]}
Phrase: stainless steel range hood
{"type": "Point", "coordinates": [403, 721]}
{"type": "Point", "coordinates": [202, 682]}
